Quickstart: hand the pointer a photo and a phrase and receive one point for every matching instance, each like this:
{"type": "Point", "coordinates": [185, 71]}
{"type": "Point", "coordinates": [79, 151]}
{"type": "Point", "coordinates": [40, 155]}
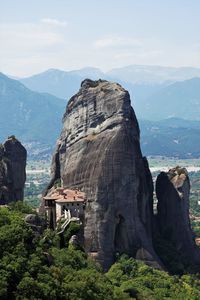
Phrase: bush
{"type": "Point", "coordinates": [21, 206]}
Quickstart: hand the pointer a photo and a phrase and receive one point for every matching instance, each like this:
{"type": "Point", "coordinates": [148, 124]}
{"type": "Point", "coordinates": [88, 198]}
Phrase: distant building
{"type": "Point", "coordinates": [61, 202]}
{"type": "Point", "coordinates": [197, 240]}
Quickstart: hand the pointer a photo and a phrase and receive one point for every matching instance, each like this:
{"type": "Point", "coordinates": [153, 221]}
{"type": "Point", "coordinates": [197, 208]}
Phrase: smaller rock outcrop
{"type": "Point", "coordinates": [74, 241]}
{"type": "Point", "coordinates": [173, 189]}
{"type": "Point", "coordinates": [12, 171]}
{"type": "Point", "coordinates": [36, 222]}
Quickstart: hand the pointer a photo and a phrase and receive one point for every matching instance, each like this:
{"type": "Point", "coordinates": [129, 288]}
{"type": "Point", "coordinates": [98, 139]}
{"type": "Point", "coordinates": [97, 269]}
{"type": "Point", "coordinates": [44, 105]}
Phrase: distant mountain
{"type": "Point", "coordinates": [172, 137]}
{"type": "Point", "coordinates": [141, 74]}
{"type": "Point", "coordinates": [65, 84]}
{"type": "Point", "coordinates": [32, 117]}
{"type": "Point", "coordinates": [88, 72]}
{"type": "Point", "coordinates": [36, 117]}
{"type": "Point", "coordinates": [56, 81]}
{"type": "Point", "coordinates": [181, 99]}
{"type": "Point", "coordinates": [60, 83]}
{"type": "Point", "coordinates": [150, 88]}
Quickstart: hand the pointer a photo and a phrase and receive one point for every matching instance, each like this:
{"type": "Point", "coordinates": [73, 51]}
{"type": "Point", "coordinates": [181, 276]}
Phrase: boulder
{"type": "Point", "coordinates": [36, 222]}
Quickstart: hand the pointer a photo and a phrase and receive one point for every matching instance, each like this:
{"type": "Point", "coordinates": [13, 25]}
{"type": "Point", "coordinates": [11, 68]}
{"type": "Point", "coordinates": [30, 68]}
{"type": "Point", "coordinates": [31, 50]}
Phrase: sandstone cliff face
{"type": "Point", "coordinates": [99, 153]}
{"type": "Point", "coordinates": [173, 189]}
{"type": "Point", "coordinates": [12, 171]}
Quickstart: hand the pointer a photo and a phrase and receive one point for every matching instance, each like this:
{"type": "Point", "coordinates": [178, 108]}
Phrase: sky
{"type": "Point", "coordinates": [36, 35]}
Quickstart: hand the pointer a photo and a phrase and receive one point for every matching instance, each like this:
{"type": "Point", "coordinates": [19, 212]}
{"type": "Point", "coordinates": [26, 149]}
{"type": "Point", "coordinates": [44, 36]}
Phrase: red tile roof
{"type": "Point", "coordinates": [65, 195]}
{"type": "Point", "coordinates": [197, 240]}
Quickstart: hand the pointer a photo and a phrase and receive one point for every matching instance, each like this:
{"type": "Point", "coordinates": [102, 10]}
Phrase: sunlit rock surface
{"type": "Point", "coordinates": [99, 153]}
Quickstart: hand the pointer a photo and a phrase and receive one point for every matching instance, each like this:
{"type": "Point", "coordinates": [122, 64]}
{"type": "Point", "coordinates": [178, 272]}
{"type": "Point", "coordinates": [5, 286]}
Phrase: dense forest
{"type": "Point", "coordinates": [35, 266]}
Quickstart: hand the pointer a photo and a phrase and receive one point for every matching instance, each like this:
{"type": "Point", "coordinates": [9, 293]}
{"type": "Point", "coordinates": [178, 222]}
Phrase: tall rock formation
{"type": "Point", "coordinates": [99, 153]}
{"type": "Point", "coordinates": [12, 171]}
{"type": "Point", "coordinates": [173, 189]}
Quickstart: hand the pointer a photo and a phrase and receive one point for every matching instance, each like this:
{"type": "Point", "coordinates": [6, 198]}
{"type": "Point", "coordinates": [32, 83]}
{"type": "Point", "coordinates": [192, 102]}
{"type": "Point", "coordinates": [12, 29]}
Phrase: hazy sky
{"type": "Point", "coordinates": [36, 35]}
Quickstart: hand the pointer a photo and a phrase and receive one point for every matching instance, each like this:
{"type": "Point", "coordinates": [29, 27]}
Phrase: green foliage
{"type": "Point", "coordinates": [72, 229]}
{"type": "Point", "coordinates": [196, 227]}
{"type": "Point", "coordinates": [143, 282]}
{"type": "Point", "coordinates": [36, 264]}
{"type": "Point", "coordinates": [73, 258]}
{"type": "Point", "coordinates": [57, 183]}
{"type": "Point", "coordinates": [21, 206]}
{"type": "Point", "coordinates": [34, 267]}
{"type": "Point", "coordinates": [33, 194]}
{"type": "Point", "coordinates": [88, 285]}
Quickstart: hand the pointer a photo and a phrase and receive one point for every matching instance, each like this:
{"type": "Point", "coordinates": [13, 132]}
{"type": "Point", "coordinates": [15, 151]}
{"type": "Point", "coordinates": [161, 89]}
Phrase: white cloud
{"type": "Point", "coordinates": [117, 42]}
{"type": "Point", "coordinates": [54, 22]}
{"type": "Point", "coordinates": [28, 48]}
{"type": "Point", "coordinates": [119, 51]}
{"type": "Point", "coordinates": [23, 45]}
{"type": "Point", "coordinates": [17, 38]}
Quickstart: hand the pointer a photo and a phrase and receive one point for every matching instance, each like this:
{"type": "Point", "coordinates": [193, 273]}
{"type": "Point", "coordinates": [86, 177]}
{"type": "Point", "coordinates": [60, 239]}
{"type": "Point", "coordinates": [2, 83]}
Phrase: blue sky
{"type": "Point", "coordinates": [36, 35]}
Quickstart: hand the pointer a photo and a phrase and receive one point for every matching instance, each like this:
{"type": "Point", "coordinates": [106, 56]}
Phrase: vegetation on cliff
{"type": "Point", "coordinates": [35, 267]}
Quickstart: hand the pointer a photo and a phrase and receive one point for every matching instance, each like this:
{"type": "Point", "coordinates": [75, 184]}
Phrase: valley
{"type": "Point", "coordinates": [37, 178]}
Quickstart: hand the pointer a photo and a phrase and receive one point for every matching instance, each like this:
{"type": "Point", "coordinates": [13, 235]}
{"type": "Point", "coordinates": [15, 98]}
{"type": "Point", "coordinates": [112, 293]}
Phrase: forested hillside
{"type": "Point", "coordinates": [36, 266]}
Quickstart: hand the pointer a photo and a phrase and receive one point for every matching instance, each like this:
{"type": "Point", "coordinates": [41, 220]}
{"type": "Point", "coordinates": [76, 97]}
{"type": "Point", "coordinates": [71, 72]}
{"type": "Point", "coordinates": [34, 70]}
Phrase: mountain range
{"type": "Point", "coordinates": [149, 94]}
{"type": "Point", "coordinates": [60, 83]}
{"type": "Point", "coordinates": [35, 118]}
{"type": "Point", "coordinates": [133, 74]}
{"type": "Point", "coordinates": [32, 108]}
{"type": "Point", "coordinates": [179, 100]}
{"type": "Point", "coordinates": [171, 137]}
{"type": "Point", "coordinates": [141, 74]}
